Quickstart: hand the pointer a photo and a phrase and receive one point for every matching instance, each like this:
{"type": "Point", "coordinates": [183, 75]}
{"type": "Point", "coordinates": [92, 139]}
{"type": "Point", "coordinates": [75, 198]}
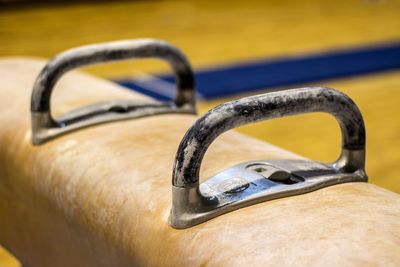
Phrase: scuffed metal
{"type": "Point", "coordinates": [196, 205]}
{"type": "Point", "coordinates": [45, 127]}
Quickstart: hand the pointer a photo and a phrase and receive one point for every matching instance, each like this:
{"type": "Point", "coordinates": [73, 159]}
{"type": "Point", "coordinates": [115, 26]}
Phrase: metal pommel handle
{"type": "Point", "coordinates": [45, 127]}
{"type": "Point", "coordinates": [190, 206]}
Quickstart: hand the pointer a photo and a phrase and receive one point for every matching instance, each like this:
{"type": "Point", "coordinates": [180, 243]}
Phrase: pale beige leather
{"type": "Point", "coordinates": [101, 196]}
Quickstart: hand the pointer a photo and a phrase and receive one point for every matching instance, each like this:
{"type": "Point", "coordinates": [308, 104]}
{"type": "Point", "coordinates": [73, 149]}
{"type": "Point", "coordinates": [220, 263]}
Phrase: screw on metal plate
{"type": "Point", "coordinates": [257, 181]}
{"type": "Point", "coordinates": [45, 127]}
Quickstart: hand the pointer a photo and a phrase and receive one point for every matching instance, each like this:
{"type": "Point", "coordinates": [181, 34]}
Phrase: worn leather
{"type": "Point", "coordinates": [101, 196]}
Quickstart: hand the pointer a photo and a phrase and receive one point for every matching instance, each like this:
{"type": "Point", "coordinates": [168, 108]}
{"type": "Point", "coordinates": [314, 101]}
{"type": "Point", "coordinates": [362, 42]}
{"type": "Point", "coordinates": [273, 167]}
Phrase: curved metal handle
{"type": "Point", "coordinates": [45, 127]}
{"type": "Point", "coordinates": [191, 207]}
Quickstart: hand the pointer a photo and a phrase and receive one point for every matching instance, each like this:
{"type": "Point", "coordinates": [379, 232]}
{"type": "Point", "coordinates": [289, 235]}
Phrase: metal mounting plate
{"type": "Point", "coordinates": [258, 181]}
{"type": "Point", "coordinates": [99, 113]}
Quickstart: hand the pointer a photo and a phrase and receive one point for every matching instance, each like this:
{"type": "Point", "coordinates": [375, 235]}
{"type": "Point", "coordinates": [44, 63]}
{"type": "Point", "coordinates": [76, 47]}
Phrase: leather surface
{"type": "Point", "coordinates": [101, 196]}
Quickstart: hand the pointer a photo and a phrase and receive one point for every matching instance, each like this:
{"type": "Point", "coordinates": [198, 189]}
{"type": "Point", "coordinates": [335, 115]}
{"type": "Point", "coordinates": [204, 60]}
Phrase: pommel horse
{"type": "Point", "coordinates": [92, 174]}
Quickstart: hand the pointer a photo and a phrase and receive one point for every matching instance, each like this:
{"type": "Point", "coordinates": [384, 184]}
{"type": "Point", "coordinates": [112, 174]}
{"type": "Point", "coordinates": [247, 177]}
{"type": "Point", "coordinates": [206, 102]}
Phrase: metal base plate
{"type": "Point", "coordinates": [254, 182]}
{"type": "Point", "coordinates": [257, 181]}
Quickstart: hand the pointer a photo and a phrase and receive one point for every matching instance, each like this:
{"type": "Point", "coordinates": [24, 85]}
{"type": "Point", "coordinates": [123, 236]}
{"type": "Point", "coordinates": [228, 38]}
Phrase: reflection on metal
{"type": "Point", "coordinates": [257, 181]}
{"type": "Point", "coordinates": [45, 127]}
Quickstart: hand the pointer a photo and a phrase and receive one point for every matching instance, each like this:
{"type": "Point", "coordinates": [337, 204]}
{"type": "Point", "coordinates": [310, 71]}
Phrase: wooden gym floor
{"type": "Point", "coordinates": [225, 32]}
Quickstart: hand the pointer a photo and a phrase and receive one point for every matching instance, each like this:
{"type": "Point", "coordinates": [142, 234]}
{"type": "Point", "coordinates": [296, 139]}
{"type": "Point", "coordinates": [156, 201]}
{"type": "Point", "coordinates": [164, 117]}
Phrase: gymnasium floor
{"type": "Point", "coordinates": [215, 33]}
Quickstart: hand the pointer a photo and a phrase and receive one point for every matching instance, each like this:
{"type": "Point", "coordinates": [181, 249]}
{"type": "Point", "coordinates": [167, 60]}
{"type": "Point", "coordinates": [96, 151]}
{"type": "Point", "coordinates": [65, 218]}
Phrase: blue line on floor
{"type": "Point", "coordinates": [250, 76]}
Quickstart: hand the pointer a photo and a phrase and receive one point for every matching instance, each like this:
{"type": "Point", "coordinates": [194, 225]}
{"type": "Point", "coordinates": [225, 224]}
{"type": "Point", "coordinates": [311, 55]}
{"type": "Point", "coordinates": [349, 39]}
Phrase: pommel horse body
{"type": "Point", "coordinates": [92, 186]}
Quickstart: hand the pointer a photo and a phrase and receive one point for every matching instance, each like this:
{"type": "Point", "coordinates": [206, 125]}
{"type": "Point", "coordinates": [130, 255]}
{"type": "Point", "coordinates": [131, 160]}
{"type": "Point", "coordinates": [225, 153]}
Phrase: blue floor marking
{"type": "Point", "coordinates": [251, 76]}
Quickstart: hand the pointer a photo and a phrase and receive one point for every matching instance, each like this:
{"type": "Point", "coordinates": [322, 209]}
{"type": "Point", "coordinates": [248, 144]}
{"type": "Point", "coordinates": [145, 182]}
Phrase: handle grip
{"type": "Point", "coordinates": [45, 127]}
{"type": "Point", "coordinates": [187, 198]}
